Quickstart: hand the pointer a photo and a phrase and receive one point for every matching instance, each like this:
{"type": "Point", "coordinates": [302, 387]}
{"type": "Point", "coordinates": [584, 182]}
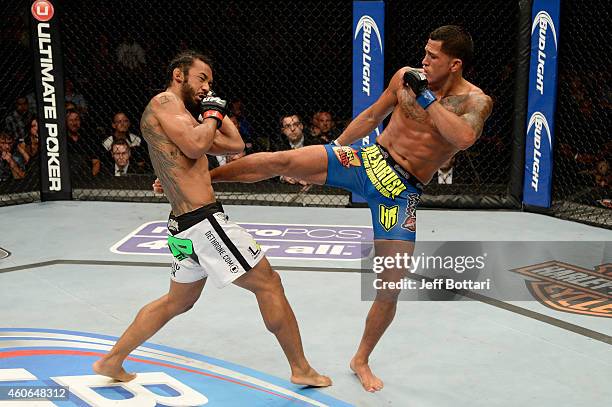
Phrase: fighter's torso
{"type": "Point", "coordinates": [412, 138]}
{"type": "Point", "coordinates": [186, 181]}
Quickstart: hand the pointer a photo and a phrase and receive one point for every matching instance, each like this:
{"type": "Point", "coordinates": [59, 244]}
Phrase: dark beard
{"type": "Point", "coordinates": [188, 96]}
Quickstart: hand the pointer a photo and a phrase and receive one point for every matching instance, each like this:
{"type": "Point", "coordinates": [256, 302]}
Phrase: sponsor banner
{"type": "Point", "coordinates": [54, 362]}
{"type": "Point", "coordinates": [368, 61]}
{"type": "Point", "coordinates": [541, 103]}
{"type": "Point", "coordinates": [278, 241]}
{"type": "Point", "coordinates": [574, 277]}
{"type": "Point", "coordinates": [49, 84]}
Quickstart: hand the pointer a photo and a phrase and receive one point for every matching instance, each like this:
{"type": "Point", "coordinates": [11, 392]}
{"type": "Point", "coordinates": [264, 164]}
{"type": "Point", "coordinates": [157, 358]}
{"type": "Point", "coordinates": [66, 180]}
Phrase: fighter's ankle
{"type": "Point", "coordinates": [301, 370]}
{"type": "Point", "coordinates": [360, 360]}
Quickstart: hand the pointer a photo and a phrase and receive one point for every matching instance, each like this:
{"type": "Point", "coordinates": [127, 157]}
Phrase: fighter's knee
{"type": "Point", "coordinates": [387, 295]}
{"type": "Point", "coordinates": [179, 307]}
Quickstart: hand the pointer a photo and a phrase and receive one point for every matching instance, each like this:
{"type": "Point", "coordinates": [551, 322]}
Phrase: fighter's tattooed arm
{"type": "Point", "coordinates": [461, 129]}
{"type": "Point", "coordinates": [477, 110]}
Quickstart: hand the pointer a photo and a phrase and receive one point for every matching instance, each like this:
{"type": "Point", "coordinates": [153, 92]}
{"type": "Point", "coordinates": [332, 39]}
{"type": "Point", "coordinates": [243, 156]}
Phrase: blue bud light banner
{"type": "Point", "coordinates": [368, 60]}
{"type": "Point", "coordinates": [541, 103]}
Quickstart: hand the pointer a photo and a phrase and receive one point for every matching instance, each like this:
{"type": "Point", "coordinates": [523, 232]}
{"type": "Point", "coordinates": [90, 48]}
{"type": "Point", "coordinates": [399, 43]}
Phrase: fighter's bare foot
{"type": "Point", "coordinates": [311, 378]}
{"type": "Point", "coordinates": [369, 382]}
{"type": "Point", "coordinates": [115, 371]}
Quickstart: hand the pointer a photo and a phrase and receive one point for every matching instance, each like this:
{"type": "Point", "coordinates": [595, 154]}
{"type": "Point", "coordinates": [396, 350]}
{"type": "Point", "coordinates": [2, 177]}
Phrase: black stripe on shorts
{"type": "Point", "coordinates": [245, 265]}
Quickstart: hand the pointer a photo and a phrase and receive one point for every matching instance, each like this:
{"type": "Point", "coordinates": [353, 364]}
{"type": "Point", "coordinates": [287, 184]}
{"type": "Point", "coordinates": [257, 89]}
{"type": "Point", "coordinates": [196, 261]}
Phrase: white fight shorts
{"type": "Point", "coordinates": [205, 243]}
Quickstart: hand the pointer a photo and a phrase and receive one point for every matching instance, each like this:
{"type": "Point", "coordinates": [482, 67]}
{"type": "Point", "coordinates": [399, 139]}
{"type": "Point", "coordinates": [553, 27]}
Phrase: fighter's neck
{"type": "Point", "coordinates": [454, 85]}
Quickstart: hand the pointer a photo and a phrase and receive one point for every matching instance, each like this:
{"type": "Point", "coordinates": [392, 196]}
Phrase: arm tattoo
{"type": "Point", "coordinates": [478, 111]}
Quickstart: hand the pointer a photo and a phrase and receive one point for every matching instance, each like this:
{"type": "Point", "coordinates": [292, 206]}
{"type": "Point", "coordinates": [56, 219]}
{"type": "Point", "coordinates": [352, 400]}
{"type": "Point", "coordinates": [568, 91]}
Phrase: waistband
{"type": "Point", "coordinates": [404, 173]}
{"type": "Point", "coordinates": [177, 224]}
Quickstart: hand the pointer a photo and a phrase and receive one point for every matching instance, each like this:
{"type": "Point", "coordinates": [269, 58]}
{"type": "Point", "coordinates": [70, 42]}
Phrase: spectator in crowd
{"type": "Point", "coordinates": [29, 146]}
{"type": "Point", "coordinates": [11, 162]}
{"type": "Point", "coordinates": [244, 126]}
{"type": "Point", "coordinates": [121, 131]}
{"type": "Point", "coordinates": [76, 98]}
{"type": "Point", "coordinates": [293, 136]}
{"type": "Point", "coordinates": [70, 106]}
{"type": "Point", "coordinates": [15, 123]}
{"type": "Point", "coordinates": [122, 162]}
{"type": "Point", "coordinates": [445, 172]}
{"type": "Point", "coordinates": [84, 154]}
{"type": "Point", "coordinates": [323, 127]}
{"type": "Point", "coordinates": [602, 174]}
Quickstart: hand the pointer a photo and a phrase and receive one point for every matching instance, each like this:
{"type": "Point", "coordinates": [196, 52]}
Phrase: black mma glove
{"type": "Point", "coordinates": [213, 107]}
{"type": "Point", "coordinates": [417, 81]}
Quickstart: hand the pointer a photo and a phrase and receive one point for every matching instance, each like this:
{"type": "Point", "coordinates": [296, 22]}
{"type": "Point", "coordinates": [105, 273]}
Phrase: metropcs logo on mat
{"type": "Point", "coordinates": [166, 376]}
{"type": "Point", "coordinates": [278, 241]}
{"type": "Point", "coordinates": [569, 288]}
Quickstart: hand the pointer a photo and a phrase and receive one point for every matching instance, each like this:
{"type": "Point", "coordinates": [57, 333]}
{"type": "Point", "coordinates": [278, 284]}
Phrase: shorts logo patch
{"type": "Point", "coordinates": [173, 225]}
{"type": "Point", "coordinates": [410, 222]}
{"type": "Point", "coordinates": [381, 175]}
{"type": "Point", "coordinates": [180, 248]}
{"type": "Point", "coordinates": [255, 252]}
{"type": "Point", "coordinates": [347, 156]}
{"type": "Point", "coordinates": [387, 216]}
{"type": "Point", "coordinates": [4, 253]}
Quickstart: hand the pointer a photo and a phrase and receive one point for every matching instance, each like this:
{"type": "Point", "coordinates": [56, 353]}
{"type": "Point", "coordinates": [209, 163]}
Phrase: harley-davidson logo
{"type": "Point", "coordinates": [568, 288]}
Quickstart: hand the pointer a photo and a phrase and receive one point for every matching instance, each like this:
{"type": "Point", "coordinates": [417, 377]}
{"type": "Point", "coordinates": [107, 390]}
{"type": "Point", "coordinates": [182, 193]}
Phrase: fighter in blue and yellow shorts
{"type": "Point", "coordinates": [392, 193]}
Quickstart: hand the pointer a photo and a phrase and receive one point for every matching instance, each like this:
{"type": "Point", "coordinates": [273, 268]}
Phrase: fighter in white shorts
{"type": "Point", "coordinates": [202, 240]}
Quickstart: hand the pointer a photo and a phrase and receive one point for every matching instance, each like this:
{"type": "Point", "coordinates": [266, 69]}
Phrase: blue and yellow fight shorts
{"type": "Point", "coordinates": [392, 193]}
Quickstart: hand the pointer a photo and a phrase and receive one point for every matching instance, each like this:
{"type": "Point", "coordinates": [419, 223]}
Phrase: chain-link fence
{"type": "Point", "coordinates": [270, 59]}
{"type": "Point", "coordinates": [583, 151]}
{"type": "Point", "coordinates": [19, 167]}
{"type": "Point", "coordinates": [279, 58]}
{"type": "Point", "coordinates": [483, 169]}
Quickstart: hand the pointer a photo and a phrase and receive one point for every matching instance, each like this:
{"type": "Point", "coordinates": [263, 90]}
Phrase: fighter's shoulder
{"type": "Point", "coordinates": [164, 100]}
{"type": "Point", "coordinates": [477, 98]}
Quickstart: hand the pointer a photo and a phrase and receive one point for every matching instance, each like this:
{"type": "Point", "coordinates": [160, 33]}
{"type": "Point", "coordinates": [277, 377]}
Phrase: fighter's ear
{"type": "Point", "coordinates": [456, 65]}
{"type": "Point", "coordinates": [178, 75]}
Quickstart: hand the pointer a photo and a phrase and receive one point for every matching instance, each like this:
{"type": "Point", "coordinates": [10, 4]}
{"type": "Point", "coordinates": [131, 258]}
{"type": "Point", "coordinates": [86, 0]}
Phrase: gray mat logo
{"type": "Point", "coordinates": [4, 254]}
{"type": "Point", "coordinates": [569, 288]}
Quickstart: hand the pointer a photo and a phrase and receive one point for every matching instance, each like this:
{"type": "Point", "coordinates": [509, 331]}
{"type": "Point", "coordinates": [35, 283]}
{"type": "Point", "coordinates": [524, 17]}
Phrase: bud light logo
{"type": "Point", "coordinates": [367, 25]}
{"type": "Point", "coordinates": [542, 22]}
{"type": "Point", "coordinates": [539, 138]}
{"type": "Point", "coordinates": [539, 122]}
{"type": "Point", "coordinates": [166, 376]}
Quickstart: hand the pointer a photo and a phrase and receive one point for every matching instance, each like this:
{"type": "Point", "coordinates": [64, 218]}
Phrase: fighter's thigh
{"type": "Point", "coordinates": [307, 163]}
{"type": "Point", "coordinates": [182, 296]}
{"type": "Point", "coordinates": [261, 277]}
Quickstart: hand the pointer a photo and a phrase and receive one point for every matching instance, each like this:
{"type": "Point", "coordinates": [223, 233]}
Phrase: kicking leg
{"type": "Point", "coordinates": [381, 314]}
{"type": "Point", "coordinates": [307, 163]}
{"type": "Point", "coordinates": [149, 320]}
{"type": "Point", "coordinates": [278, 316]}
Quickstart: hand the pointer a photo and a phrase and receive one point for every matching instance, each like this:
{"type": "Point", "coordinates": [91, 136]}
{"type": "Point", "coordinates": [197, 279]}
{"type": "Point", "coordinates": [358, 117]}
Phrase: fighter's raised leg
{"type": "Point", "coordinates": [307, 163]}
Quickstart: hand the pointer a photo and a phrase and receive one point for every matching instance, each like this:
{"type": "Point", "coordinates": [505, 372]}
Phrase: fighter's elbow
{"type": "Point", "coordinates": [466, 140]}
{"type": "Point", "coordinates": [239, 147]}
